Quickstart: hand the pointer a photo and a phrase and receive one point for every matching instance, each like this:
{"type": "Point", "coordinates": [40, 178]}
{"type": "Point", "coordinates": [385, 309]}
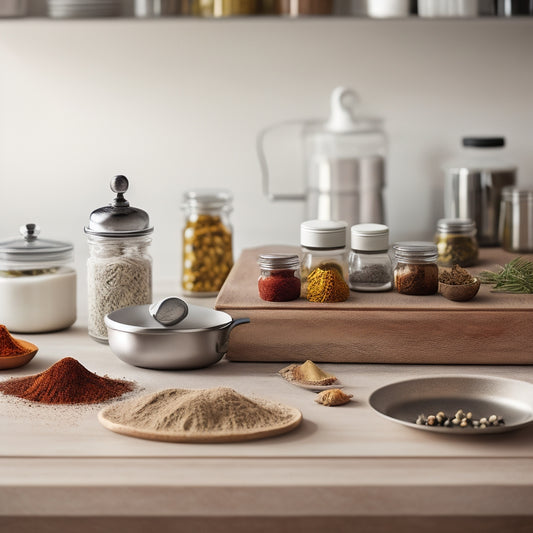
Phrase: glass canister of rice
{"type": "Point", "coordinates": [119, 268]}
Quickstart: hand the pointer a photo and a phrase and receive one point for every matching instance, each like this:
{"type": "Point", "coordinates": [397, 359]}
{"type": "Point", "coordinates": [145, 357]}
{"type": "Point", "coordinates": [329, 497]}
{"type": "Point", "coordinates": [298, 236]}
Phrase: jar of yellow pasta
{"type": "Point", "coordinates": [207, 241]}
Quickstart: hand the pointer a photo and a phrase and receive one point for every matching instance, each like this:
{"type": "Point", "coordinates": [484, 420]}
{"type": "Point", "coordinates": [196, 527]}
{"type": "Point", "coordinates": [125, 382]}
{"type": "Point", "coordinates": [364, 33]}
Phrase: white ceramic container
{"type": "Point", "coordinates": [37, 283]}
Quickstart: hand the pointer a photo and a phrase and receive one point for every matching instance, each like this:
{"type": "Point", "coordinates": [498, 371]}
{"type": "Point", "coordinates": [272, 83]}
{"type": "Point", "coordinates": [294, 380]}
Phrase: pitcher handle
{"type": "Point", "coordinates": [264, 165]}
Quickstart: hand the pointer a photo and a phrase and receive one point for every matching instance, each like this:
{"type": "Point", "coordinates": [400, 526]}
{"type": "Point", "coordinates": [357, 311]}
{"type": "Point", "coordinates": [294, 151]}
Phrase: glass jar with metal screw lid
{"type": "Point", "coordinates": [119, 268]}
{"type": "Point", "coordinates": [369, 264]}
{"type": "Point", "coordinates": [416, 271]}
{"type": "Point", "coordinates": [323, 245]}
{"type": "Point", "coordinates": [207, 241]}
{"type": "Point", "coordinates": [279, 280]}
{"type": "Point", "coordinates": [456, 242]}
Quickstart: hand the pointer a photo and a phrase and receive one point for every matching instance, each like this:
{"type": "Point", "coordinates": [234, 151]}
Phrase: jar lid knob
{"type": "Point", "coordinates": [30, 232]}
{"type": "Point", "coordinates": [120, 184]}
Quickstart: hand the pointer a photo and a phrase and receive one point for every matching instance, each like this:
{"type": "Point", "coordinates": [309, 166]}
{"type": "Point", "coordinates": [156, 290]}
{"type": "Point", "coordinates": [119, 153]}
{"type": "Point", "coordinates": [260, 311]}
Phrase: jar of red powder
{"type": "Point", "coordinates": [279, 280]}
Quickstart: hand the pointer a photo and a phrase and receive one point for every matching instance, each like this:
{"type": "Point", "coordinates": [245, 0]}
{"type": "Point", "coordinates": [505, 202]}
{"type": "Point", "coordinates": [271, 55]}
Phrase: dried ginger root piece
{"type": "Point", "coordinates": [333, 397]}
{"type": "Point", "coordinates": [307, 373]}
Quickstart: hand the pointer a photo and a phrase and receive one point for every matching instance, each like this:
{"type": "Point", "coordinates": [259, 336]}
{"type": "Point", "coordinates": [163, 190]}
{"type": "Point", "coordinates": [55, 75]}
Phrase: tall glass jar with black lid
{"type": "Point", "coordinates": [119, 268]}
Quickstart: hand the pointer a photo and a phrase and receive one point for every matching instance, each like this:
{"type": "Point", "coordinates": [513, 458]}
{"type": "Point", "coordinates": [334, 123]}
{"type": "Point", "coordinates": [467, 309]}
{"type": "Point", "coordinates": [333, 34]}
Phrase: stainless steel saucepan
{"type": "Point", "coordinates": [199, 340]}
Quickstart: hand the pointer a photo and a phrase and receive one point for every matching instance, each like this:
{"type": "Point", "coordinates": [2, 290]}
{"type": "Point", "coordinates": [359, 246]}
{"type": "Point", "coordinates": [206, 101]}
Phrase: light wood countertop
{"type": "Point", "coordinates": [345, 468]}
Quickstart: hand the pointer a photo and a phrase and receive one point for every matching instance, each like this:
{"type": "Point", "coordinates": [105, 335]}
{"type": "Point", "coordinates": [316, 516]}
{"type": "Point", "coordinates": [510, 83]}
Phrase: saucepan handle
{"type": "Point", "coordinates": [222, 344]}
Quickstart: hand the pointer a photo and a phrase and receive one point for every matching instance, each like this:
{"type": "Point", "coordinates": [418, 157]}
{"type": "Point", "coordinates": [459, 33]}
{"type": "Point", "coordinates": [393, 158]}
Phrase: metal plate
{"type": "Point", "coordinates": [403, 401]}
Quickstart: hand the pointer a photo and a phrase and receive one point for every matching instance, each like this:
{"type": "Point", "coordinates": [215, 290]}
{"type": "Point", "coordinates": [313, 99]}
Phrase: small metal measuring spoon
{"type": "Point", "coordinates": [169, 311]}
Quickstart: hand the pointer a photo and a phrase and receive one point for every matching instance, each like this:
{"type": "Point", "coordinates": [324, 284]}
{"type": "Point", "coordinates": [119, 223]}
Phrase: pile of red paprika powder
{"type": "Point", "coordinates": [279, 280]}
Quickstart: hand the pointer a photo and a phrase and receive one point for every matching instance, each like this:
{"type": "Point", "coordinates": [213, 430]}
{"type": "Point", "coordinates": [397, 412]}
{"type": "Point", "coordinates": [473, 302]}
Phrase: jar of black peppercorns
{"type": "Point", "coordinates": [416, 271]}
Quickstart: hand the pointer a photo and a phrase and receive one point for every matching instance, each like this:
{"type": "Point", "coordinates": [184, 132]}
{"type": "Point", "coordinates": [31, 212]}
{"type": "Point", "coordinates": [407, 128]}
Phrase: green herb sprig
{"type": "Point", "coordinates": [515, 277]}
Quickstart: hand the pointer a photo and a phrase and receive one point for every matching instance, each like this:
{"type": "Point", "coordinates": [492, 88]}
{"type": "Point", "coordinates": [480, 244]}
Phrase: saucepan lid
{"type": "Point", "coordinates": [138, 319]}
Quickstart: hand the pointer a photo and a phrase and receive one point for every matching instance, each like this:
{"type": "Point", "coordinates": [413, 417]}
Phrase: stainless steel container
{"type": "Point", "coordinates": [474, 187]}
{"type": "Point", "coordinates": [157, 8]}
{"type": "Point", "coordinates": [13, 8]}
{"type": "Point", "coordinates": [517, 220]}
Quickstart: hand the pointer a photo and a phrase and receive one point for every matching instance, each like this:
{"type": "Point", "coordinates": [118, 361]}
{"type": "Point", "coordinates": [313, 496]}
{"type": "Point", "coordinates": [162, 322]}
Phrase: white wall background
{"type": "Point", "coordinates": [175, 104]}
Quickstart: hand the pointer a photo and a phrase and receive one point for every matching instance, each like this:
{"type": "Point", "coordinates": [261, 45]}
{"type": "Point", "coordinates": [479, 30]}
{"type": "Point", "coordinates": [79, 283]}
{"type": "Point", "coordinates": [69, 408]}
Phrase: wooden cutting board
{"type": "Point", "coordinates": [493, 328]}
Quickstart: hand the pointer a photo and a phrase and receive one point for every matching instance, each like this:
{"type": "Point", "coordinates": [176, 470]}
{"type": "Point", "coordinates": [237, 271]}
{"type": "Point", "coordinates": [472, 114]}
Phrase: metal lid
{"type": "Point", "coordinates": [510, 193]}
{"type": "Point", "coordinates": [28, 251]}
{"type": "Point", "coordinates": [455, 225]}
{"type": "Point", "coordinates": [484, 142]}
{"type": "Point", "coordinates": [323, 234]}
{"type": "Point", "coordinates": [119, 219]}
{"type": "Point", "coordinates": [208, 199]}
{"type": "Point", "coordinates": [278, 261]}
{"type": "Point", "coordinates": [370, 237]}
{"type": "Point", "coordinates": [425, 251]}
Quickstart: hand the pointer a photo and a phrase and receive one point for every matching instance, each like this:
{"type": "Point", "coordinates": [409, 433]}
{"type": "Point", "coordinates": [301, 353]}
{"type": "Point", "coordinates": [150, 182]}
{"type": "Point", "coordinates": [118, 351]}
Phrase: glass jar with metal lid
{"type": "Point", "coordinates": [323, 245]}
{"type": "Point", "coordinates": [370, 267]}
{"type": "Point", "coordinates": [207, 241]}
{"type": "Point", "coordinates": [119, 268]}
{"type": "Point", "coordinates": [415, 270]}
{"type": "Point", "coordinates": [456, 242]}
{"type": "Point", "coordinates": [516, 227]}
{"type": "Point", "coordinates": [37, 283]}
{"type": "Point", "coordinates": [279, 280]}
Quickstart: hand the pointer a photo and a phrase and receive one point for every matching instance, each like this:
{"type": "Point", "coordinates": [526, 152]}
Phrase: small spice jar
{"type": "Point", "coordinates": [119, 268]}
{"type": "Point", "coordinates": [37, 283]}
{"type": "Point", "coordinates": [456, 242]}
{"type": "Point", "coordinates": [207, 241]}
{"type": "Point", "coordinates": [279, 280]}
{"type": "Point", "coordinates": [323, 244]}
{"type": "Point", "coordinates": [369, 264]}
{"type": "Point", "coordinates": [416, 271]}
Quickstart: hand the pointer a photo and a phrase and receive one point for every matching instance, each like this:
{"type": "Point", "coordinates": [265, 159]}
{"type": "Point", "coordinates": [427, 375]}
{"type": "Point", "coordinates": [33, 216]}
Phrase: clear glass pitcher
{"type": "Point", "coordinates": [344, 162]}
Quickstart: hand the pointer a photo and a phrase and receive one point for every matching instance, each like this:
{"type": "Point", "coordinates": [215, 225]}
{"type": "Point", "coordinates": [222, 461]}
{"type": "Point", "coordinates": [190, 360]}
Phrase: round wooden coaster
{"type": "Point", "coordinates": [186, 436]}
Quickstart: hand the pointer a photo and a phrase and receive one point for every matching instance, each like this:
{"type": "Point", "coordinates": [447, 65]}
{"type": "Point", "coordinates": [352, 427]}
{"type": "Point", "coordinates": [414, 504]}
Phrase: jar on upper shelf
{"type": "Point", "coordinates": [119, 268]}
{"type": "Point", "coordinates": [37, 283]}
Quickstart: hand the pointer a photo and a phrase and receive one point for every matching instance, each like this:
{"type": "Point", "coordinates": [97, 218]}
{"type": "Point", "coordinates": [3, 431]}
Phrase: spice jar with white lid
{"type": "Point", "coordinates": [207, 241]}
{"type": "Point", "coordinates": [456, 242]}
{"type": "Point", "coordinates": [323, 244]}
{"type": "Point", "coordinates": [416, 271]}
{"type": "Point", "coordinates": [369, 263]}
{"type": "Point", "coordinates": [37, 283]}
{"type": "Point", "coordinates": [119, 268]}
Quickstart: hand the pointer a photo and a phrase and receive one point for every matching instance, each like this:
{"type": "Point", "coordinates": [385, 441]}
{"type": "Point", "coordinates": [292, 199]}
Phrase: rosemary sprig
{"type": "Point", "coordinates": [516, 277]}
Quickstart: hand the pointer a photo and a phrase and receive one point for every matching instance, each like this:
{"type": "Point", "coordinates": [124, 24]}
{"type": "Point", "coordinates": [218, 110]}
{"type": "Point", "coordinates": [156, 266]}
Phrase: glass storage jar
{"type": "Point", "coordinates": [279, 280]}
{"type": "Point", "coordinates": [37, 283]}
{"type": "Point", "coordinates": [456, 242]}
{"type": "Point", "coordinates": [415, 270]}
{"type": "Point", "coordinates": [369, 263]}
{"type": "Point", "coordinates": [119, 268]}
{"type": "Point", "coordinates": [207, 241]}
{"type": "Point", "coordinates": [323, 244]}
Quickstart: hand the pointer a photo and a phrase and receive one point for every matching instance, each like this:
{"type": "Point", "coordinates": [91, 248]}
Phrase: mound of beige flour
{"type": "Point", "coordinates": [199, 415]}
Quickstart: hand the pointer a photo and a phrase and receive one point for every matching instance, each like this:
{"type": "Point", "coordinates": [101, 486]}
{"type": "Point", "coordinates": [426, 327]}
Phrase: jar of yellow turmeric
{"type": "Point", "coordinates": [207, 241]}
{"type": "Point", "coordinates": [324, 265]}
